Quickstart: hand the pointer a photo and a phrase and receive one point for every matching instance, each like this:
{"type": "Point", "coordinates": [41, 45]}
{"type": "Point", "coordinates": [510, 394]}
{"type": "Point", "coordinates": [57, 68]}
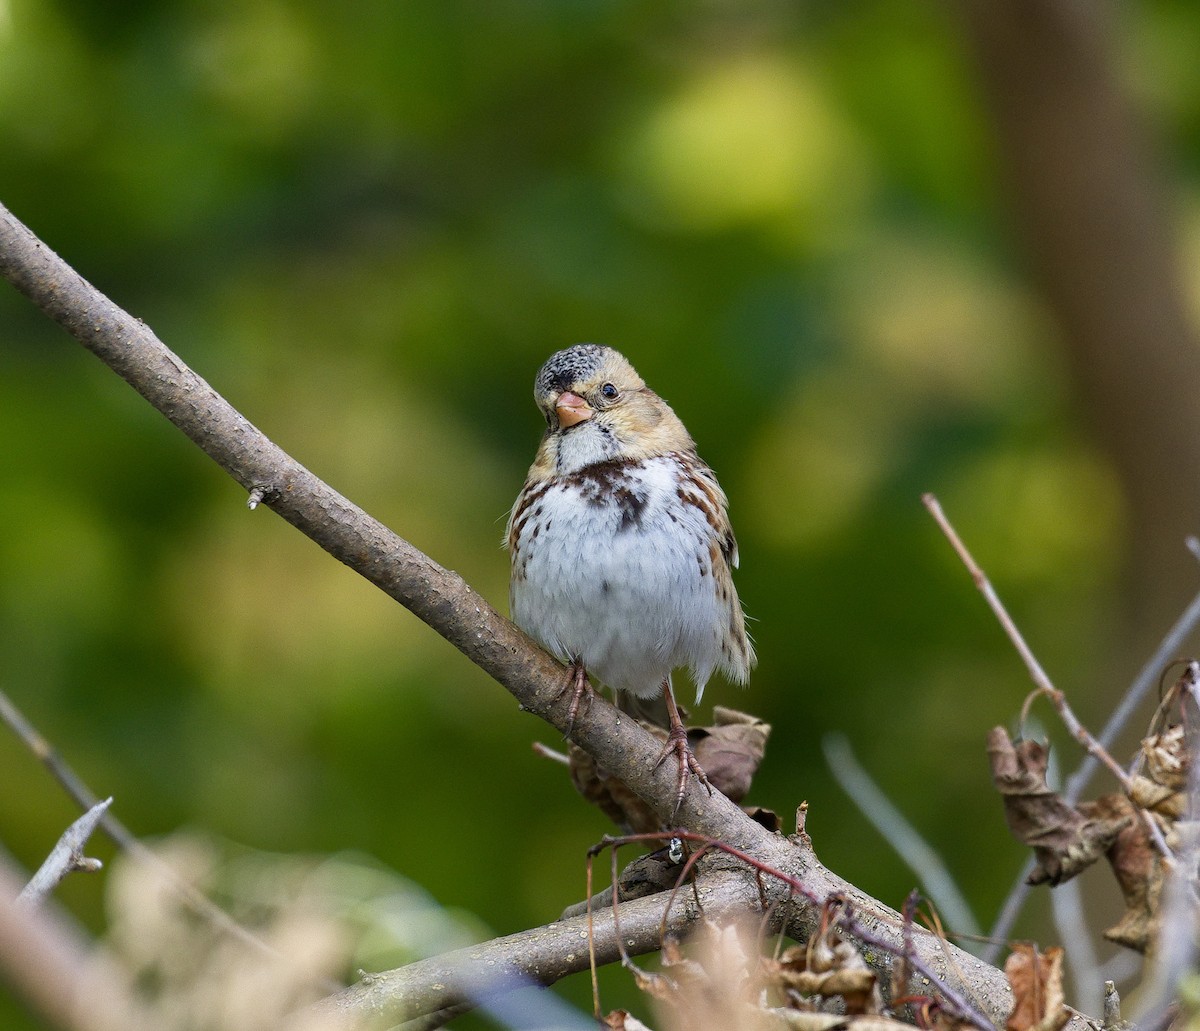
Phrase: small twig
{"type": "Point", "coordinates": [1042, 682]}
{"type": "Point", "coordinates": [66, 857]}
{"type": "Point", "coordinates": [546, 752]}
{"type": "Point", "coordinates": [901, 971]}
{"type": "Point", "coordinates": [984, 585]}
{"type": "Point", "coordinates": [259, 493]}
{"type": "Point", "coordinates": [933, 924]}
{"type": "Point", "coordinates": [591, 938]}
{"type": "Point", "coordinates": [1112, 1005]}
{"type": "Point", "coordinates": [59, 769]}
{"type": "Point", "coordinates": [626, 962]}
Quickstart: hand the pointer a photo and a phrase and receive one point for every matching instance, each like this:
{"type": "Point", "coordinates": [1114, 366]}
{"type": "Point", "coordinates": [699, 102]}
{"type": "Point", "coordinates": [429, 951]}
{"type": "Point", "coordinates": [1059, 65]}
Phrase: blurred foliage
{"type": "Point", "coordinates": [346, 218]}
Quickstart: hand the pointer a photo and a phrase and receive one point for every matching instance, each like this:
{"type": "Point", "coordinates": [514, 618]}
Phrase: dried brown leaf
{"type": "Point", "coordinates": [731, 750]}
{"type": "Point", "coordinates": [1138, 868]}
{"type": "Point", "coordinates": [1162, 784]}
{"type": "Point", "coordinates": [1167, 759]}
{"type": "Point", "coordinates": [1064, 840]}
{"type": "Point", "coordinates": [1036, 982]}
{"type": "Point", "coordinates": [828, 967]}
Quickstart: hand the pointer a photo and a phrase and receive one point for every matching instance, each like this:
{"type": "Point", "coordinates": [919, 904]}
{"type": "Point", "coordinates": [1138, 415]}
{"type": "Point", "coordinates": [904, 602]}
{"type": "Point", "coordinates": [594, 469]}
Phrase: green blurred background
{"type": "Point", "coordinates": [367, 225]}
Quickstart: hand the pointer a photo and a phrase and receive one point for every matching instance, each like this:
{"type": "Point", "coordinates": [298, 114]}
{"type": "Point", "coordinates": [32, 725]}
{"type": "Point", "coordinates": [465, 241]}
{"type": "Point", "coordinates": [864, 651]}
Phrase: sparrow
{"type": "Point", "coordinates": [622, 553]}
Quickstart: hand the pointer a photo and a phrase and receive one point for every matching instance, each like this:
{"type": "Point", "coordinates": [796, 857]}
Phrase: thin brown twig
{"type": "Point", "coordinates": [626, 962]}
{"type": "Point", "coordinates": [1078, 731]}
{"type": "Point", "coordinates": [1042, 682]}
{"type": "Point", "coordinates": [591, 937]}
{"type": "Point", "coordinates": [989, 593]}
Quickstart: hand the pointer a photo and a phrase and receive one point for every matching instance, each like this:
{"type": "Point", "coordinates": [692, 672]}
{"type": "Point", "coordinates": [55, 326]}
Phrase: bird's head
{"type": "Point", "coordinates": [598, 408]}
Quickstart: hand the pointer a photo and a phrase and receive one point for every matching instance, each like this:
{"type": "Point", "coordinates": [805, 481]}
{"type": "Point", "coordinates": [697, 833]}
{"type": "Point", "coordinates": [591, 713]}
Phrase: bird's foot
{"type": "Point", "coordinates": [677, 742]}
{"type": "Point", "coordinates": [581, 690]}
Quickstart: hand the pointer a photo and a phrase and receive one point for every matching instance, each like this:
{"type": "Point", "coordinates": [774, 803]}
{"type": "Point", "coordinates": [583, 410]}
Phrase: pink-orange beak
{"type": "Point", "coordinates": [571, 409]}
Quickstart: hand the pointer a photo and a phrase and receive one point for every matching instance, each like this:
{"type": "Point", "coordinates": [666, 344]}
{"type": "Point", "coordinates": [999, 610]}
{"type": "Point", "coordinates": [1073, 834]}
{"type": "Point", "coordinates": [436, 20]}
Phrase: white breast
{"type": "Point", "coordinates": [613, 569]}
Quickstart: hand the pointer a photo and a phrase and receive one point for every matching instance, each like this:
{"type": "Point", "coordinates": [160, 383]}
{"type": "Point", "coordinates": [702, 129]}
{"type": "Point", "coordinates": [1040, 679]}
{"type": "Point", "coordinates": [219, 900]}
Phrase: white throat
{"type": "Point", "coordinates": [582, 445]}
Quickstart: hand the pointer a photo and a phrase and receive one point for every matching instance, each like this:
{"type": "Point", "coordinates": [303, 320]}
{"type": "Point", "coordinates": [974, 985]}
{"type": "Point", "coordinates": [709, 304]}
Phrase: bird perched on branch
{"type": "Point", "coordinates": [622, 552]}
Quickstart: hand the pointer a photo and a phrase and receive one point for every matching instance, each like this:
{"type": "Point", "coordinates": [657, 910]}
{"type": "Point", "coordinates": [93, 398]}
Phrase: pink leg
{"type": "Point", "coordinates": [677, 742]}
{"type": "Point", "coordinates": [577, 684]}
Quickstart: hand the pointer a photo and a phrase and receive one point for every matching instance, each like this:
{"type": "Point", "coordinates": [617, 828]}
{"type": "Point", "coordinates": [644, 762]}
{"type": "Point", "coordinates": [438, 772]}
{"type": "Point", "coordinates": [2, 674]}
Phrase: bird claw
{"type": "Point", "coordinates": [577, 684]}
{"type": "Point", "coordinates": [677, 742]}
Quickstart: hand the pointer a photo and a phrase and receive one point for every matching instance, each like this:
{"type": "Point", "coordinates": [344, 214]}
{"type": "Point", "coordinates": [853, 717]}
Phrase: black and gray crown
{"type": "Point", "coordinates": [563, 368]}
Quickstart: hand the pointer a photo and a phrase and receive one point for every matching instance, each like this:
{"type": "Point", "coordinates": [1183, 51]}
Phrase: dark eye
{"type": "Point", "coordinates": [609, 392]}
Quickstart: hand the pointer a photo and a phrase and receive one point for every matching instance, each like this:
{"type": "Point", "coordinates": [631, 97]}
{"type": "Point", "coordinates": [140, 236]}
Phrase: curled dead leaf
{"type": "Point", "coordinates": [731, 750]}
{"type": "Point", "coordinates": [1138, 868]}
{"type": "Point", "coordinates": [829, 967]}
{"type": "Point", "coordinates": [1162, 784]}
{"type": "Point", "coordinates": [1064, 840]}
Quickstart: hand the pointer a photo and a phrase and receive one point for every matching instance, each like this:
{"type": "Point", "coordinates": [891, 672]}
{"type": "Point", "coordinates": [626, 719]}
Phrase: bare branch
{"type": "Point", "coordinates": [444, 601]}
{"type": "Point", "coordinates": [66, 857]}
{"type": "Point", "coordinates": [439, 597]}
{"type": "Point", "coordinates": [539, 956]}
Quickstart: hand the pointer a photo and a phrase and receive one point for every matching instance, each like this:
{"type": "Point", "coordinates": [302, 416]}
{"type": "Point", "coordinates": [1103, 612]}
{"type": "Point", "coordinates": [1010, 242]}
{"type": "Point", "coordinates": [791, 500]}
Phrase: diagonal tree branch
{"type": "Point", "coordinates": [439, 597]}
{"type": "Point", "coordinates": [444, 601]}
